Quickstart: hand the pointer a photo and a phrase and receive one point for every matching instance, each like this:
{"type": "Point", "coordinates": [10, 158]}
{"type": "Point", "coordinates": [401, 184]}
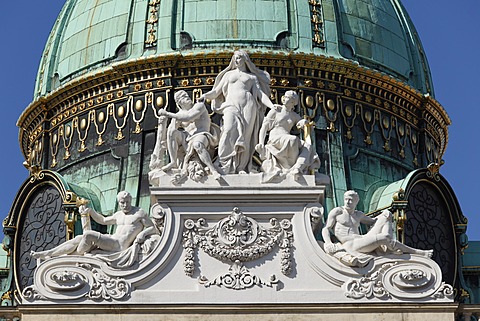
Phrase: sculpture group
{"type": "Point", "coordinates": [241, 95]}
{"type": "Point", "coordinates": [198, 149]}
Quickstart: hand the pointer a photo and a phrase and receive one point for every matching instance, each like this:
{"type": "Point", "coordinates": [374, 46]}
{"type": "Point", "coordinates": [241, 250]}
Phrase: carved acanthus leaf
{"type": "Point", "coordinates": [105, 287]}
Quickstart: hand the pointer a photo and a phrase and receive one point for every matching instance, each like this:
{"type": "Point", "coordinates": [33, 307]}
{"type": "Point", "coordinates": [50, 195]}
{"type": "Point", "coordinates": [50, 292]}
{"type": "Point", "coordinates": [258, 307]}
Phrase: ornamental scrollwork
{"type": "Point", "coordinates": [237, 238]}
{"type": "Point", "coordinates": [238, 277]}
{"type": "Point", "coordinates": [369, 286]}
{"type": "Point", "coordinates": [75, 281]}
{"type": "Point", "coordinates": [105, 287]}
{"type": "Point", "coordinates": [445, 291]}
{"type": "Point", "coordinates": [399, 280]}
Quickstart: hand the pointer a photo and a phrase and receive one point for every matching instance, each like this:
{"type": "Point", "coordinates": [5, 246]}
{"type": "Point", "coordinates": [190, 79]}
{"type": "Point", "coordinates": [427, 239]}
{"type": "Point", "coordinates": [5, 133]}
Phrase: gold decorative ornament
{"type": "Point", "coordinates": [330, 105]}
{"type": "Point", "coordinates": [386, 146]}
{"type": "Point", "coordinates": [68, 131]}
{"type": "Point", "coordinates": [210, 80]}
{"type": "Point", "coordinates": [386, 122]}
{"type": "Point", "coordinates": [309, 101]}
{"type": "Point", "coordinates": [368, 116]}
{"type": "Point", "coordinates": [401, 130]}
{"type": "Point", "coordinates": [101, 117]}
{"type": "Point", "coordinates": [139, 105]}
{"type": "Point", "coordinates": [160, 83]}
{"type": "Point", "coordinates": [83, 124]}
{"type": "Point", "coordinates": [316, 18]}
{"type": "Point", "coordinates": [160, 101]}
{"type": "Point", "coordinates": [197, 81]}
{"type": "Point", "coordinates": [414, 138]}
{"type": "Point", "coordinates": [152, 23]}
{"type": "Point", "coordinates": [348, 111]}
{"type": "Point", "coordinates": [121, 112]}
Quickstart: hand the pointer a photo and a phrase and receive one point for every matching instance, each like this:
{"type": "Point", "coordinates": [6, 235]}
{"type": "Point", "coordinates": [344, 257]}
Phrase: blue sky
{"type": "Point", "coordinates": [449, 33]}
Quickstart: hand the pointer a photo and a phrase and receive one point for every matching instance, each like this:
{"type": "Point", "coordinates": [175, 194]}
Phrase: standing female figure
{"type": "Point", "coordinates": [240, 93]}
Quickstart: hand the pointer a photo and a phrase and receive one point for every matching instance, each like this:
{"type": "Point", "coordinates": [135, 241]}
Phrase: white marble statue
{"type": "Point", "coordinates": [240, 93]}
{"type": "Point", "coordinates": [189, 135]}
{"type": "Point", "coordinates": [133, 227]}
{"type": "Point", "coordinates": [354, 249]}
{"type": "Point", "coordinates": [157, 159]}
{"type": "Point", "coordinates": [284, 153]}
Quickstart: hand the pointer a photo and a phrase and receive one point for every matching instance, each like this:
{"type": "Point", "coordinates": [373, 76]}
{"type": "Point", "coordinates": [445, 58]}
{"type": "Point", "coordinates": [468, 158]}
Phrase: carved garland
{"type": "Point", "coordinates": [236, 239]}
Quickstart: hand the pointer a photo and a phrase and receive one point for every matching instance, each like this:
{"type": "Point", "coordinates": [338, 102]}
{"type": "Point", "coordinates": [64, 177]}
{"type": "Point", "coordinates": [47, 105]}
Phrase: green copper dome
{"type": "Point", "coordinates": [91, 35]}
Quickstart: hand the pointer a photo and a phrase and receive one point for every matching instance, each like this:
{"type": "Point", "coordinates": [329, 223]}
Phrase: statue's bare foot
{"type": "Point", "coordinates": [426, 253]}
{"type": "Point", "coordinates": [242, 173]}
{"type": "Point", "coordinates": [38, 255]}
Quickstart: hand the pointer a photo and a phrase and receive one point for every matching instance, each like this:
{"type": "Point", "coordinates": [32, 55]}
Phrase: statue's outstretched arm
{"type": "Point", "coordinates": [100, 219]}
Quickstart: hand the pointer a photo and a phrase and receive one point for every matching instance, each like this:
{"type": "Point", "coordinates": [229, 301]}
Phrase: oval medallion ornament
{"type": "Point", "coordinates": [121, 112]}
{"type": "Point", "coordinates": [348, 111]}
{"type": "Point", "coordinates": [386, 122]}
{"type": "Point", "coordinates": [68, 131]}
{"type": "Point", "coordinates": [139, 105]}
{"type": "Point", "coordinates": [101, 117]}
{"type": "Point", "coordinates": [160, 102]}
{"type": "Point", "coordinates": [330, 104]}
{"type": "Point", "coordinates": [309, 101]}
{"type": "Point", "coordinates": [368, 116]}
{"type": "Point", "coordinates": [83, 124]}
